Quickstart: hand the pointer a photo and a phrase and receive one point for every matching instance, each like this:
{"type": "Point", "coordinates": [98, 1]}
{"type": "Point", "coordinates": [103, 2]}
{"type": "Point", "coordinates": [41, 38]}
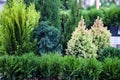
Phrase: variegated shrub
{"type": "Point", "coordinates": [81, 43]}
{"type": "Point", "coordinates": [101, 36]}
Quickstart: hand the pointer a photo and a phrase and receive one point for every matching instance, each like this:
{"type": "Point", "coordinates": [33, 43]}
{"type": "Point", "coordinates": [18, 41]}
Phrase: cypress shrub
{"type": "Point", "coordinates": [16, 26]}
{"type": "Point", "coordinates": [49, 11]}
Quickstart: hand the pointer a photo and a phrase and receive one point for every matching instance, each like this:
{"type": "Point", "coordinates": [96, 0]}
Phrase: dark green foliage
{"type": "Point", "coordinates": [75, 8]}
{"type": "Point", "coordinates": [88, 69]}
{"type": "Point", "coordinates": [49, 11]}
{"type": "Point", "coordinates": [91, 15]}
{"type": "Point", "coordinates": [50, 66]}
{"type": "Point", "coordinates": [73, 18]}
{"type": "Point", "coordinates": [48, 38]}
{"type": "Point", "coordinates": [71, 63]}
{"type": "Point", "coordinates": [54, 66]}
{"type": "Point", "coordinates": [110, 52]}
{"type": "Point", "coordinates": [110, 16]}
{"type": "Point", "coordinates": [9, 67]}
{"type": "Point", "coordinates": [65, 4]}
{"type": "Point", "coordinates": [28, 66]}
{"type": "Point", "coordinates": [65, 15]}
{"type": "Point", "coordinates": [70, 19]}
{"type": "Point", "coordinates": [18, 68]}
{"type": "Point", "coordinates": [111, 69]}
{"type": "Point", "coordinates": [114, 16]}
{"type": "Point", "coordinates": [28, 2]}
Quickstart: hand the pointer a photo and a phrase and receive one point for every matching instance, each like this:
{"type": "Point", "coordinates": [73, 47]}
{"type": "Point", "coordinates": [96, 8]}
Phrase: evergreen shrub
{"type": "Point", "coordinates": [48, 38]}
{"type": "Point", "coordinates": [18, 67]}
{"type": "Point", "coordinates": [109, 52]}
{"type": "Point", "coordinates": [87, 69]}
{"type": "Point", "coordinates": [51, 66]}
{"type": "Point", "coordinates": [16, 27]}
{"type": "Point", "coordinates": [81, 43]}
{"type": "Point", "coordinates": [54, 66]}
{"type": "Point", "coordinates": [111, 69]}
{"type": "Point", "coordinates": [101, 36]}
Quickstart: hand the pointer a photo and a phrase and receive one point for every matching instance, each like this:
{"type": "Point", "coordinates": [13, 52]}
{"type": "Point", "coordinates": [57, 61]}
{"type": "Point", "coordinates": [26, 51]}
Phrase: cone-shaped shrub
{"type": "Point", "coordinates": [81, 42]}
{"type": "Point", "coordinates": [101, 36]}
{"type": "Point", "coordinates": [16, 26]}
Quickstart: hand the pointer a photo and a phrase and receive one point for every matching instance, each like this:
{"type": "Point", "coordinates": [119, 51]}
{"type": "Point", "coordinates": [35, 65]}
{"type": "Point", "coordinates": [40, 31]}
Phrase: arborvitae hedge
{"type": "Point", "coordinates": [54, 66]}
{"type": "Point", "coordinates": [110, 16]}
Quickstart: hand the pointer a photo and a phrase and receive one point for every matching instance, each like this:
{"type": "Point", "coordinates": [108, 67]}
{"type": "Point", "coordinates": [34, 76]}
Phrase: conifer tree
{"type": "Point", "coordinates": [49, 11]}
{"type": "Point", "coordinates": [81, 43]}
{"type": "Point", "coordinates": [16, 26]}
{"type": "Point", "coordinates": [101, 36]}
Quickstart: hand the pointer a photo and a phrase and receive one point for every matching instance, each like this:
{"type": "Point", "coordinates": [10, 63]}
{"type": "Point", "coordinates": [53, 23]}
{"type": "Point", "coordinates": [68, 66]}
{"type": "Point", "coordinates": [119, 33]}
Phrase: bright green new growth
{"type": "Point", "coordinates": [81, 42]}
{"type": "Point", "coordinates": [16, 25]}
{"type": "Point", "coordinates": [101, 36]}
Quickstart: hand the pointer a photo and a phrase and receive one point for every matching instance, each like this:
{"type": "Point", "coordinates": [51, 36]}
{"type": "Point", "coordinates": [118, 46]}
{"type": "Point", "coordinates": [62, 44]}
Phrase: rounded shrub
{"type": "Point", "coordinates": [110, 52]}
{"type": "Point", "coordinates": [81, 42]}
{"type": "Point", "coordinates": [48, 38]}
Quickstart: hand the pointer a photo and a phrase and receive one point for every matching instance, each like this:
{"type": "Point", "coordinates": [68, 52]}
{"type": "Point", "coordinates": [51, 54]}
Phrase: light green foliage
{"type": "Point", "coordinates": [17, 23]}
{"type": "Point", "coordinates": [101, 36]}
{"type": "Point", "coordinates": [81, 42]}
